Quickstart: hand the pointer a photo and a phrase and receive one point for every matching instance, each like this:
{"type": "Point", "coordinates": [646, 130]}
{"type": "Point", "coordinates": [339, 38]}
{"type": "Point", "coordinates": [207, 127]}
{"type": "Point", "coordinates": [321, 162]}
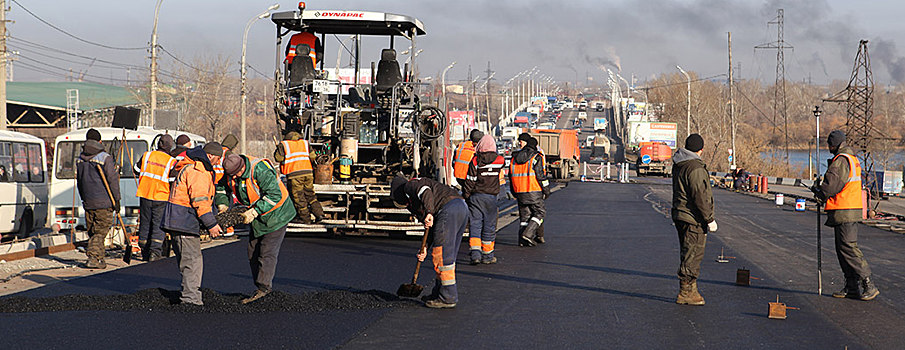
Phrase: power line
{"type": "Point", "coordinates": [184, 63]}
{"type": "Point", "coordinates": [75, 37]}
{"type": "Point", "coordinates": [40, 46]}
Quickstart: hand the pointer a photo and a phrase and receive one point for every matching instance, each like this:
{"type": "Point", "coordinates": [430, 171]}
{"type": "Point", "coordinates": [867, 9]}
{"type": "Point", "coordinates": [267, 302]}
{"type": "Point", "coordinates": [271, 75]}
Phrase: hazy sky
{"type": "Point", "coordinates": [565, 39]}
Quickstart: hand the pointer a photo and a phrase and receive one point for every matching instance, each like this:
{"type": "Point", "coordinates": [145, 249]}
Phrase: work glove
{"type": "Point", "coordinates": [711, 227]}
{"type": "Point", "coordinates": [222, 208]}
{"type": "Point", "coordinates": [249, 215]}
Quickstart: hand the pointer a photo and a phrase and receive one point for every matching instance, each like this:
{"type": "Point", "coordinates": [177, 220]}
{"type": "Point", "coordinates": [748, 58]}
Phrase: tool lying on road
{"type": "Point", "coordinates": [722, 258]}
{"type": "Point", "coordinates": [778, 310]}
{"type": "Point", "coordinates": [743, 277]}
{"type": "Point", "coordinates": [413, 290]}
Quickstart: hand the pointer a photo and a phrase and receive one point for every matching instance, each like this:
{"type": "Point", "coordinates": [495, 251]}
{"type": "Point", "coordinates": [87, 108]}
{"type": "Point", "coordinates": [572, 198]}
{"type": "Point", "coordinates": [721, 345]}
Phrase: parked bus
{"type": "Point", "coordinates": [65, 204]}
{"type": "Point", "coordinates": [23, 184]}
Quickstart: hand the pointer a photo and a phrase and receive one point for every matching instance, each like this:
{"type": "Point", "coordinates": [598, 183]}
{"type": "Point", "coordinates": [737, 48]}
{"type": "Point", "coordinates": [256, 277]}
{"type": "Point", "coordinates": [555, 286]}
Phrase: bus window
{"type": "Point", "coordinates": [35, 163]}
{"type": "Point", "coordinates": [20, 158]}
{"type": "Point", "coordinates": [6, 162]}
{"type": "Point", "coordinates": [67, 152]}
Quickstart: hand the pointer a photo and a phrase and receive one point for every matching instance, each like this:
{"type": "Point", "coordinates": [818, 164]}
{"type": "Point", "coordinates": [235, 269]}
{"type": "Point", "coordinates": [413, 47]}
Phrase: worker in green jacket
{"type": "Point", "coordinates": [255, 183]}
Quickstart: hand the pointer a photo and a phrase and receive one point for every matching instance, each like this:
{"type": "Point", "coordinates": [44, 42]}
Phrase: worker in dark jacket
{"type": "Point", "coordinates": [94, 166]}
{"type": "Point", "coordinates": [445, 215]}
{"type": "Point", "coordinates": [256, 184]}
{"type": "Point", "coordinates": [528, 183]}
{"type": "Point", "coordinates": [480, 189]}
{"type": "Point", "coordinates": [188, 209]}
{"type": "Point", "coordinates": [841, 190]}
{"type": "Point", "coordinates": [692, 212]}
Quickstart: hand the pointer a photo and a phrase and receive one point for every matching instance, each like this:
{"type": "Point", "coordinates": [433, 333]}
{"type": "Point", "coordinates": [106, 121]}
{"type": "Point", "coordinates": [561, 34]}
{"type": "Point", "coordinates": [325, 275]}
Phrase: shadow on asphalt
{"type": "Point", "coordinates": [566, 285]}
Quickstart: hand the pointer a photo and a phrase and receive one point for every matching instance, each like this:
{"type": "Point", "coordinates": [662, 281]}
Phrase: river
{"type": "Point", "coordinates": [800, 158]}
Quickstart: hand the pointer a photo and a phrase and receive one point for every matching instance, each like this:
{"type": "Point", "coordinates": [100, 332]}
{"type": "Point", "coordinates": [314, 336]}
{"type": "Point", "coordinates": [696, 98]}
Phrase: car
{"type": "Point", "coordinates": [504, 147]}
{"type": "Point", "coordinates": [582, 115]}
{"type": "Point", "coordinates": [599, 107]}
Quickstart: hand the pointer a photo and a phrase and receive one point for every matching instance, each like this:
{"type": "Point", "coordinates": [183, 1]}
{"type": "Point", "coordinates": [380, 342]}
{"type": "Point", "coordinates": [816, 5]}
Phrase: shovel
{"type": "Point", "coordinates": [413, 290]}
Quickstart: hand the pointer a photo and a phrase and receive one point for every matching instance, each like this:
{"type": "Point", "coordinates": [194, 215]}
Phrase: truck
{"type": "Point", "coordinates": [600, 148]}
{"type": "Point", "coordinates": [522, 120]}
{"type": "Point", "coordinates": [641, 132]}
{"type": "Point", "coordinates": [600, 124]}
{"type": "Point", "coordinates": [561, 151]}
{"type": "Point", "coordinates": [582, 116]}
{"type": "Point", "coordinates": [654, 158]}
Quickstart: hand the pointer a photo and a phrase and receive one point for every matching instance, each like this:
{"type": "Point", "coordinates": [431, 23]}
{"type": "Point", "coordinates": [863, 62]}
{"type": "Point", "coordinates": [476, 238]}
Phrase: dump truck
{"type": "Point", "coordinates": [561, 150]}
{"type": "Point", "coordinates": [654, 158]}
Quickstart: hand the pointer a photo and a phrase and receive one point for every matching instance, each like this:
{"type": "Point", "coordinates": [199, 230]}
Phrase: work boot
{"type": "Point", "coordinates": [154, 257]}
{"type": "Point", "coordinates": [429, 297]}
{"type": "Point", "coordinates": [95, 263]}
{"type": "Point", "coordinates": [474, 257]}
{"type": "Point", "coordinates": [868, 290]}
{"type": "Point", "coordinates": [318, 219]}
{"type": "Point", "coordinates": [489, 260]}
{"type": "Point", "coordinates": [849, 291]}
{"type": "Point", "coordinates": [688, 294]}
{"type": "Point", "coordinates": [526, 242]}
{"type": "Point", "coordinates": [540, 239]}
{"type": "Point", "coordinates": [257, 295]}
{"type": "Point", "coordinates": [439, 304]}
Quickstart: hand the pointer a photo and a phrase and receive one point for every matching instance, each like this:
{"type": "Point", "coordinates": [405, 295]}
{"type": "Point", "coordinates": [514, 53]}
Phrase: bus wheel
{"type": "Point", "coordinates": [26, 223]}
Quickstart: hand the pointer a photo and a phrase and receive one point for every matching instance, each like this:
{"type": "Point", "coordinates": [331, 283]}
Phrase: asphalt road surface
{"type": "Point", "coordinates": [605, 279]}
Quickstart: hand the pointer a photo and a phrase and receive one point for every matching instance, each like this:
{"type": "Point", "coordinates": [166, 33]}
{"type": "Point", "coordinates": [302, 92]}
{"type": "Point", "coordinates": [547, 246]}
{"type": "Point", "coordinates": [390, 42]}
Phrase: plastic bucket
{"type": "Point", "coordinates": [799, 204]}
{"type": "Point", "coordinates": [779, 198]}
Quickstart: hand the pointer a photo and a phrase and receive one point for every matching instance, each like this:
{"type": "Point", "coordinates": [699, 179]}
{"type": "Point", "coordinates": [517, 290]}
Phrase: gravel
{"type": "Point", "coordinates": [162, 300]}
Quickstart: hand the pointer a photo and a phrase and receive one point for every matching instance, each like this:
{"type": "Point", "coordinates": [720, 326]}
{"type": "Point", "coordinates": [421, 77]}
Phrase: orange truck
{"type": "Point", "coordinates": [562, 151]}
{"type": "Point", "coordinates": [654, 158]}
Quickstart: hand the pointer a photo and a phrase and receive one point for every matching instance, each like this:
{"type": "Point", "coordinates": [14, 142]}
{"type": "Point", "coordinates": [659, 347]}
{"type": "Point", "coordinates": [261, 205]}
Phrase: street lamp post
{"type": "Point", "coordinates": [154, 64]}
{"type": "Point", "coordinates": [243, 71]}
{"type": "Point", "coordinates": [688, 108]}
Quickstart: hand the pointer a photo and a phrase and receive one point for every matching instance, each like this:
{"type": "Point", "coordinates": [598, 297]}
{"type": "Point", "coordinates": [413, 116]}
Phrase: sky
{"type": "Point", "coordinates": [566, 40]}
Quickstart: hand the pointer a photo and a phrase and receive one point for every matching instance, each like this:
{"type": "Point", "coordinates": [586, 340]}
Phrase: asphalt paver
{"type": "Point", "coordinates": [605, 279]}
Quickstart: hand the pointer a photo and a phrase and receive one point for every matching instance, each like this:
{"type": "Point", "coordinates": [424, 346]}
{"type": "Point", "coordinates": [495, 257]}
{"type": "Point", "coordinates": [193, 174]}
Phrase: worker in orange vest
{"type": "Point", "coordinates": [841, 190]}
{"type": "Point", "coordinates": [464, 153]}
{"type": "Point", "coordinates": [316, 50]}
{"type": "Point", "coordinates": [529, 185]}
{"type": "Point", "coordinates": [153, 170]}
{"type": "Point", "coordinates": [294, 156]}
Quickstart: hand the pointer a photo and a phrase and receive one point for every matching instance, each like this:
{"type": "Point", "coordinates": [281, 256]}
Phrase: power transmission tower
{"type": "Point", "coordinates": [779, 87]}
{"type": "Point", "coordinates": [858, 97]}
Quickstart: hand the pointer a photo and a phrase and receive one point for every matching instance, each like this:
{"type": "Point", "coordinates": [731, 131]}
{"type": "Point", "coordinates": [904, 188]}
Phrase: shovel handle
{"type": "Point", "coordinates": [418, 265]}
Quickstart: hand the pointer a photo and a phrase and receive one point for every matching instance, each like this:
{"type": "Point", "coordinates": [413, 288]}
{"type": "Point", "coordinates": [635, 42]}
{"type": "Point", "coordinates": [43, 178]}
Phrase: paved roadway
{"type": "Point", "coordinates": [605, 279]}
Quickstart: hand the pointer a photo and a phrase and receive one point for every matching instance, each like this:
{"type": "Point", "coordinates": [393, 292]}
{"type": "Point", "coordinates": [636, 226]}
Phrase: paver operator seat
{"type": "Point", "coordinates": [301, 70]}
{"type": "Point", "coordinates": [388, 73]}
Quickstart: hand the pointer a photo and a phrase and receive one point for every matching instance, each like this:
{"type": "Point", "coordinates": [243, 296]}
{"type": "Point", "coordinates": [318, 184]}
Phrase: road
{"type": "Point", "coordinates": [605, 279]}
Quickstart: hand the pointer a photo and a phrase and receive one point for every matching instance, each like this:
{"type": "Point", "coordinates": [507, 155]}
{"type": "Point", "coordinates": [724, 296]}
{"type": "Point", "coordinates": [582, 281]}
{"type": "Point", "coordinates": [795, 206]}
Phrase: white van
{"type": "Point", "coordinates": [65, 204]}
{"type": "Point", "coordinates": [23, 183]}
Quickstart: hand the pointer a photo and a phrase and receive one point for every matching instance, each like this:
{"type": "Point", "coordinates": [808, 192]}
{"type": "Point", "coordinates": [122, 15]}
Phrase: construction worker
{"type": "Point", "coordinates": [444, 214]}
{"type": "Point", "coordinates": [692, 213]}
{"type": "Point", "coordinates": [221, 182]}
{"type": "Point", "coordinates": [183, 143]}
{"type": "Point", "coordinates": [841, 190]}
{"type": "Point", "coordinates": [307, 37]}
{"type": "Point", "coordinates": [528, 183]}
{"type": "Point", "coordinates": [294, 156]}
{"type": "Point", "coordinates": [463, 155]}
{"type": "Point", "coordinates": [190, 207]}
{"type": "Point", "coordinates": [153, 193]}
{"type": "Point", "coordinates": [97, 179]}
{"type": "Point", "coordinates": [256, 184]}
{"type": "Point", "coordinates": [480, 189]}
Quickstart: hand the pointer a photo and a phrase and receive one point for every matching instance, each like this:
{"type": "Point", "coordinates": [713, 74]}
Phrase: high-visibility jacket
{"type": "Point", "coordinates": [297, 157]}
{"type": "Point", "coordinates": [218, 167]}
{"type": "Point", "coordinates": [153, 178]}
{"type": "Point", "coordinates": [523, 177]}
{"type": "Point", "coordinates": [302, 38]}
{"type": "Point", "coordinates": [254, 192]}
{"type": "Point", "coordinates": [463, 157]}
{"type": "Point", "coordinates": [850, 196]}
{"type": "Point", "coordinates": [191, 198]}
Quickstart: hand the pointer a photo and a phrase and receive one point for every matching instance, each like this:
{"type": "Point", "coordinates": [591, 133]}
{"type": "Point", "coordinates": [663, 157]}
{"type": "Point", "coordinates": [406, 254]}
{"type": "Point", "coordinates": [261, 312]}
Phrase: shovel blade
{"type": "Point", "coordinates": [409, 290]}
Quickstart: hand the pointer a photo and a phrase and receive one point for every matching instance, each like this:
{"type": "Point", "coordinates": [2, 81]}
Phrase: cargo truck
{"type": "Point", "coordinates": [654, 158]}
{"type": "Point", "coordinates": [561, 150]}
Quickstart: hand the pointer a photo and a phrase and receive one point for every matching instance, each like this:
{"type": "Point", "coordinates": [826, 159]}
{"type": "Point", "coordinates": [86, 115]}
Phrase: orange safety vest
{"type": "Point", "coordinates": [153, 179]}
{"type": "Point", "coordinates": [302, 38]}
{"type": "Point", "coordinates": [523, 177]}
{"type": "Point", "coordinates": [463, 157]}
{"type": "Point", "coordinates": [297, 157]}
{"type": "Point", "coordinates": [218, 167]}
{"type": "Point", "coordinates": [850, 196]}
{"type": "Point", "coordinates": [252, 189]}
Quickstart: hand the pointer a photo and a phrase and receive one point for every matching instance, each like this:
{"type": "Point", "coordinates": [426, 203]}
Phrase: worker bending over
{"type": "Point", "coordinates": [841, 190]}
{"type": "Point", "coordinates": [444, 214]}
{"type": "Point", "coordinates": [480, 189]}
{"type": "Point", "coordinates": [528, 183]}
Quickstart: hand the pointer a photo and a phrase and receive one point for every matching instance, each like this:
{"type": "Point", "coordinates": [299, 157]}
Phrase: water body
{"type": "Point", "coordinates": [800, 158]}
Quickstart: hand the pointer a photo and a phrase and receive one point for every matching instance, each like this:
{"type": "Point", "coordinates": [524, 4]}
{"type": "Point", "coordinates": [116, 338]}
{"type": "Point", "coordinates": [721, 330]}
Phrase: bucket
{"type": "Point", "coordinates": [779, 198]}
{"type": "Point", "coordinates": [799, 204]}
{"type": "Point", "coordinates": [345, 169]}
{"type": "Point", "coordinates": [323, 174]}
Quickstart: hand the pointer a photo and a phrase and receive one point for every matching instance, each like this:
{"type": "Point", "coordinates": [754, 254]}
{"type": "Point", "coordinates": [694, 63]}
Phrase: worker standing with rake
{"type": "Point", "coordinates": [96, 196]}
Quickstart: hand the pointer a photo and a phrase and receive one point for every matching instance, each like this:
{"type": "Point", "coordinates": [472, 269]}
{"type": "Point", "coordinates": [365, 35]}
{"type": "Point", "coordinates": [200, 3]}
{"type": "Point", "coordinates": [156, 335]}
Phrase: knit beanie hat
{"type": "Point", "coordinates": [93, 134]}
{"type": "Point", "coordinates": [166, 143]}
{"type": "Point", "coordinates": [475, 135]}
{"type": "Point", "coordinates": [694, 142]}
{"type": "Point", "coordinates": [232, 163]}
{"type": "Point", "coordinates": [836, 138]}
{"type": "Point", "coordinates": [183, 139]}
{"type": "Point", "coordinates": [524, 137]}
{"type": "Point", "coordinates": [213, 149]}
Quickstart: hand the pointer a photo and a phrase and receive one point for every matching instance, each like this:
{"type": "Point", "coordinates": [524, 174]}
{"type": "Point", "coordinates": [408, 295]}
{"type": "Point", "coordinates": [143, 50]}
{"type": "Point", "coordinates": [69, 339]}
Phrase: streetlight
{"type": "Point", "coordinates": [688, 108]}
{"type": "Point", "coordinates": [153, 63]}
{"type": "Point", "coordinates": [443, 83]}
{"type": "Point", "coordinates": [243, 71]}
{"type": "Point", "coordinates": [410, 57]}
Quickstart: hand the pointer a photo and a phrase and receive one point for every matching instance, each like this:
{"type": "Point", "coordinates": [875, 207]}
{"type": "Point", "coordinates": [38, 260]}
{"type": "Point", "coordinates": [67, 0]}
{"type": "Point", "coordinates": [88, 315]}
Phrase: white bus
{"type": "Point", "coordinates": [65, 204]}
{"type": "Point", "coordinates": [23, 183]}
